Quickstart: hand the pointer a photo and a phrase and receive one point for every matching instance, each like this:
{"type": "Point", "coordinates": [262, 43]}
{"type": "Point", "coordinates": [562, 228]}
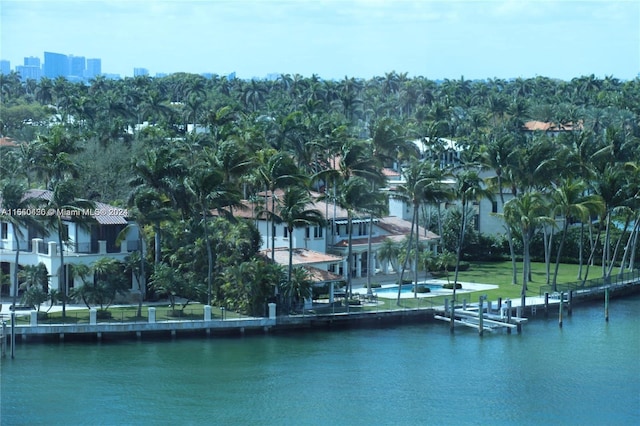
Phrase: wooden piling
{"type": "Point", "coordinates": [3, 344]}
{"type": "Point", "coordinates": [13, 333]}
{"type": "Point", "coordinates": [453, 317]}
{"type": "Point", "coordinates": [560, 309]}
{"type": "Point", "coordinates": [570, 303]}
{"type": "Point", "coordinates": [480, 317]}
{"type": "Point", "coordinates": [606, 304]}
{"type": "Point", "coordinates": [546, 304]}
{"type": "Point", "coordinates": [509, 315]}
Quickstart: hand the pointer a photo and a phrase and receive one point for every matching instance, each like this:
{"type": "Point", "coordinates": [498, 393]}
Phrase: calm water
{"type": "Point", "coordinates": [587, 373]}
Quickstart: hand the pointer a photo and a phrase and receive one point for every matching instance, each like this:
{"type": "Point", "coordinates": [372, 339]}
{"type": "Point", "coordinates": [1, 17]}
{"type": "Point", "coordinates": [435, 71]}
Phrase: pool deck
{"type": "Point", "coordinates": [466, 288]}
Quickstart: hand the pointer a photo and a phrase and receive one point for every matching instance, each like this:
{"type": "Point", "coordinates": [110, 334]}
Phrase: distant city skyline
{"type": "Point", "coordinates": [332, 38]}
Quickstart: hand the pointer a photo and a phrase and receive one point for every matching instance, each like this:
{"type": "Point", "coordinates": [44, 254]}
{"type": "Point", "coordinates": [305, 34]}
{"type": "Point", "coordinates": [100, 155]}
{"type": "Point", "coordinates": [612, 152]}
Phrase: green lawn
{"type": "Point", "coordinates": [497, 273]}
{"type": "Point", "coordinates": [193, 311]}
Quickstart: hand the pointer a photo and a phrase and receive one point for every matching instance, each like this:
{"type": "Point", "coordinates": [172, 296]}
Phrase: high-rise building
{"type": "Point", "coordinates": [140, 72]}
{"type": "Point", "coordinates": [55, 65]}
{"type": "Point", "coordinates": [94, 68]}
{"type": "Point", "coordinates": [29, 72]}
{"type": "Point", "coordinates": [5, 66]}
{"type": "Point", "coordinates": [32, 61]}
{"type": "Point", "coordinates": [77, 65]}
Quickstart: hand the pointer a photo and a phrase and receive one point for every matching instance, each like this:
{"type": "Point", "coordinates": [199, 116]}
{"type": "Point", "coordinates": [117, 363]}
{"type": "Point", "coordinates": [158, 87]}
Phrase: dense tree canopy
{"type": "Point", "coordinates": [181, 149]}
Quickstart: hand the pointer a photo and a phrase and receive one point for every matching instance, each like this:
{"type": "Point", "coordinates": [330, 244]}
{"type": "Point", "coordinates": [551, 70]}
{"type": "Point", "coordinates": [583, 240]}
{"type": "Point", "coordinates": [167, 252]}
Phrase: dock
{"type": "Point", "coordinates": [477, 318]}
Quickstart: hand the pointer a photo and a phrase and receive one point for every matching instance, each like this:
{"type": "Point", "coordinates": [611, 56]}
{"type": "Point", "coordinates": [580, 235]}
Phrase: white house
{"type": "Point", "coordinates": [333, 237]}
{"type": "Point", "coordinates": [85, 245]}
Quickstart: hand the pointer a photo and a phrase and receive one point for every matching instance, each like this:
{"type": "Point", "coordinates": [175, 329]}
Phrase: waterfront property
{"type": "Point", "coordinates": [91, 234]}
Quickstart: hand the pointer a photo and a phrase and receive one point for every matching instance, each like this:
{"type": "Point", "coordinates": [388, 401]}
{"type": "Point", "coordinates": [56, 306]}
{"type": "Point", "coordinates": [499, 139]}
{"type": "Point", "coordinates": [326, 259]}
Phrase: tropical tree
{"type": "Point", "coordinates": [469, 189]}
{"type": "Point", "coordinates": [570, 202]}
{"type": "Point", "coordinates": [295, 212]}
{"type": "Point", "coordinates": [14, 199]}
{"type": "Point", "coordinates": [423, 184]}
{"type": "Point", "coordinates": [35, 281]}
{"type": "Point", "coordinates": [525, 213]}
{"type": "Point", "coordinates": [298, 287]}
{"type": "Point", "coordinates": [63, 202]}
{"type": "Point", "coordinates": [211, 191]}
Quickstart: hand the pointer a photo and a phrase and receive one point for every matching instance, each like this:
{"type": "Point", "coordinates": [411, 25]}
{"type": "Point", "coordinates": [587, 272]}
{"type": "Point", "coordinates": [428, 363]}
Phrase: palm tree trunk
{"type": "Point", "coordinates": [416, 256]}
{"type": "Point", "coordinates": [406, 257]}
{"type": "Point", "coordinates": [512, 250]}
{"type": "Point", "coordinates": [349, 256]}
{"type": "Point", "coordinates": [592, 255]}
{"type": "Point", "coordinates": [562, 240]}
{"type": "Point", "coordinates": [525, 274]}
{"type": "Point", "coordinates": [142, 282]}
{"type": "Point", "coordinates": [62, 279]}
{"type": "Point", "coordinates": [459, 248]}
{"type": "Point", "coordinates": [15, 290]}
{"type": "Point", "coordinates": [617, 248]}
{"type": "Point", "coordinates": [209, 255]}
{"type": "Point", "coordinates": [369, 246]}
{"type": "Point", "coordinates": [627, 249]}
{"type": "Point", "coordinates": [157, 242]}
{"type": "Point", "coordinates": [580, 254]}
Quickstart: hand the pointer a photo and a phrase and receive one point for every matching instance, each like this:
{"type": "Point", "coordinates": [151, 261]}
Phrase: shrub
{"type": "Point", "coordinates": [176, 313]}
{"type": "Point", "coordinates": [422, 289]}
{"type": "Point", "coordinates": [103, 314]}
{"type": "Point", "coordinates": [376, 285]}
{"type": "Point", "coordinates": [449, 286]}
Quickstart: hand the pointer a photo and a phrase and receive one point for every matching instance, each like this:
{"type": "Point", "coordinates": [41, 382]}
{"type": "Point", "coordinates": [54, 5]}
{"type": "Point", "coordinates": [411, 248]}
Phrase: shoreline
{"type": "Point", "coordinates": [171, 329]}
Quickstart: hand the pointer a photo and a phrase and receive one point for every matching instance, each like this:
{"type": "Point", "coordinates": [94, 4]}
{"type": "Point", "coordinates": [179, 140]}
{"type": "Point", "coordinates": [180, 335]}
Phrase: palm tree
{"type": "Point", "coordinates": [469, 189]}
{"type": "Point", "coordinates": [278, 171]}
{"type": "Point", "coordinates": [157, 172]}
{"type": "Point", "coordinates": [423, 185]}
{"type": "Point", "coordinates": [63, 200]}
{"type": "Point", "coordinates": [389, 252]}
{"type": "Point", "coordinates": [211, 191]}
{"type": "Point", "coordinates": [496, 158]}
{"type": "Point", "coordinates": [14, 199]}
{"type": "Point", "coordinates": [294, 212]}
{"type": "Point", "coordinates": [526, 213]}
{"type": "Point", "coordinates": [568, 201]}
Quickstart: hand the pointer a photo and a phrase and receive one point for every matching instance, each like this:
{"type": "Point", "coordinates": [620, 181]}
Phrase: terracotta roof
{"type": "Point", "coordinates": [544, 126]}
{"type": "Point", "coordinates": [390, 172]}
{"type": "Point", "coordinates": [301, 256]}
{"type": "Point", "coordinates": [320, 275]}
{"type": "Point", "coordinates": [7, 142]}
{"type": "Point", "coordinates": [251, 208]}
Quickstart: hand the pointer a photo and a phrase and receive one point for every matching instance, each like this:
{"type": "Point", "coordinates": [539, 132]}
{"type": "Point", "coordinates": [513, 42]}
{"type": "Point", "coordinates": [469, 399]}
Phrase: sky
{"type": "Point", "coordinates": [333, 38]}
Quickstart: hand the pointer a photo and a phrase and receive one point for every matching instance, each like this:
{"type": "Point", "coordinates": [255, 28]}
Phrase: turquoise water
{"type": "Point", "coordinates": [406, 288]}
{"type": "Point", "coordinates": [587, 373]}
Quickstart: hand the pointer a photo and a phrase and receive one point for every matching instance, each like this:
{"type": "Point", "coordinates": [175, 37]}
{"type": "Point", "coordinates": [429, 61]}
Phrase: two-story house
{"type": "Point", "coordinates": [332, 238]}
{"type": "Point", "coordinates": [94, 239]}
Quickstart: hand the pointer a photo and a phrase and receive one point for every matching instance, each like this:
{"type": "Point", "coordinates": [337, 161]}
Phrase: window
{"type": "Point", "coordinates": [307, 232]}
{"type": "Point", "coordinates": [317, 232]}
{"type": "Point", "coordinates": [5, 230]}
{"type": "Point", "coordinates": [286, 232]}
{"type": "Point", "coordinates": [494, 207]}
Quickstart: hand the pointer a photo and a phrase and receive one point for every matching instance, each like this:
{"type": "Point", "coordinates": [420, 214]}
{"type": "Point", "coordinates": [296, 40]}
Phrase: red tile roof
{"type": "Point", "coordinates": [301, 256]}
{"type": "Point", "coordinates": [544, 126]}
{"type": "Point", "coordinates": [7, 142]}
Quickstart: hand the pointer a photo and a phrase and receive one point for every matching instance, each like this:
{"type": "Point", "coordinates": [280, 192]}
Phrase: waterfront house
{"type": "Point", "coordinates": [332, 238]}
{"type": "Point", "coordinates": [84, 245]}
